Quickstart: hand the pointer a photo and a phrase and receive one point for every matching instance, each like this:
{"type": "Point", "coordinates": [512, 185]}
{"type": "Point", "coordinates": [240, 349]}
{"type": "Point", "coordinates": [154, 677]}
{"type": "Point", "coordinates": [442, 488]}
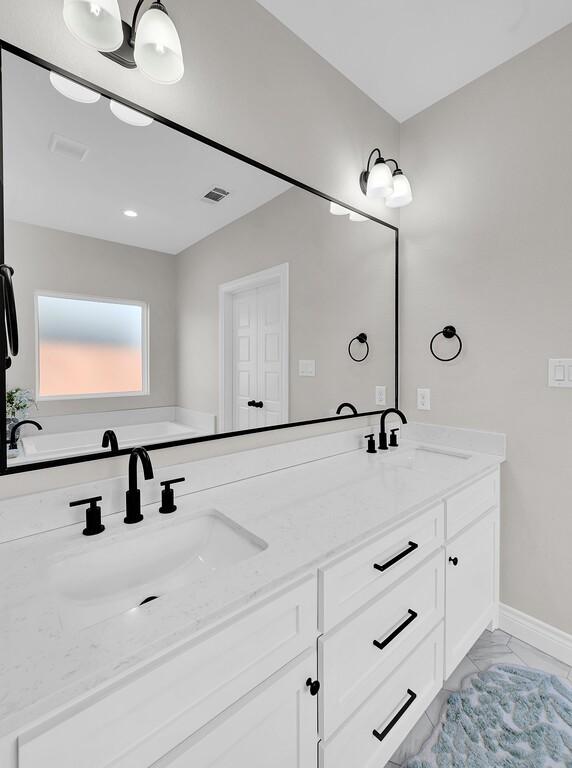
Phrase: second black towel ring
{"type": "Point", "coordinates": [449, 332]}
{"type": "Point", "coordinates": [362, 338]}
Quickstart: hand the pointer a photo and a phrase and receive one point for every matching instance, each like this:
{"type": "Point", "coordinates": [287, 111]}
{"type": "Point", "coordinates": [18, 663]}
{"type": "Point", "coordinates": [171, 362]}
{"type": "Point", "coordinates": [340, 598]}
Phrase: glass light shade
{"type": "Point", "coordinates": [380, 181]}
{"type": "Point", "coordinates": [402, 194]}
{"type": "Point", "coordinates": [357, 216]}
{"type": "Point", "coordinates": [158, 51]}
{"type": "Point", "coordinates": [96, 23]}
{"type": "Point", "coordinates": [72, 90]}
{"type": "Point", "coordinates": [338, 210]}
{"type": "Point", "coordinates": [128, 115]}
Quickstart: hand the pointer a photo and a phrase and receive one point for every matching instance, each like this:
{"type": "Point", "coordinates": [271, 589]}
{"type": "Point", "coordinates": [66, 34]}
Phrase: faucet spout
{"type": "Point", "coordinates": [133, 495]}
{"type": "Point", "coordinates": [15, 431]}
{"type": "Point", "coordinates": [382, 433]}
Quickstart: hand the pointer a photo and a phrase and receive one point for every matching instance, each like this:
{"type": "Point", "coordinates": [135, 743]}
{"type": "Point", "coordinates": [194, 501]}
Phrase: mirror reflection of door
{"type": "Point", "coordinates": [254, 364]}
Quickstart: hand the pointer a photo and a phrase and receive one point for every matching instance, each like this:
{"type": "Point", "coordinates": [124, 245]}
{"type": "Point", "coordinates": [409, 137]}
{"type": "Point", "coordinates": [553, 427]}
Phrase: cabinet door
{"type": "Point", "coordinates": [274, 725]}
{"type": "Point", "coordinates": [470, 575]}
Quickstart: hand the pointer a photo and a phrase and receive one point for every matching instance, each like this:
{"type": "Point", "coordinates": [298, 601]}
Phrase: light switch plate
{"type": "Point", "coordinates": [560, 372]}
{"type": "Point", "coordinates": [306, 367]}
{"type": "Point", "coordinates": [380, 396]}
{"type": "Point", "coordinates": [423, 399]}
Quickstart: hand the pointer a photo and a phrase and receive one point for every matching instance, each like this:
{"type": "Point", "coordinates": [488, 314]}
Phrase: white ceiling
{"type": "Point", "coordinates": [408, 54]}
{"type": "Point", "coordinates": [155, 171]}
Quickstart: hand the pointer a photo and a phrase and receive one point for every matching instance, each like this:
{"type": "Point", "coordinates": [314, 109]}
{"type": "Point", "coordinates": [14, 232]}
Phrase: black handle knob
{"type": "Point", "coordinates": [313, 685]}
{"type": "Point", "coordinates": [251, 403]}
{"type": "Point", "coordinates": [93, 524]}
{"type": "Point", "coordinates": [370, 443]}
{"type": "Point", "coordinates": [454, 560]}
{"type": "Point", "coordinates": [393, 438]}
{"type": "Point", "coordinates": [168, 496]}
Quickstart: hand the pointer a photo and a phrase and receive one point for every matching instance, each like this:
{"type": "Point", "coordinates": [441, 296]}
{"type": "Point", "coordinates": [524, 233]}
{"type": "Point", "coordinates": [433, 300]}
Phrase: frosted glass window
{"type": "Point", "coordinates": [90, 348]}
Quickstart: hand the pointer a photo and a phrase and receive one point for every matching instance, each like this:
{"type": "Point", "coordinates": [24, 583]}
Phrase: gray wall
{"type": "Point", "coordinates": [487, 247]}
{"type": "Point", "coordinates": [251, 84]}
{"type": "Point", "coordinates": [51, 260]}
{"type": "Point", "coordinates": [341, 279]}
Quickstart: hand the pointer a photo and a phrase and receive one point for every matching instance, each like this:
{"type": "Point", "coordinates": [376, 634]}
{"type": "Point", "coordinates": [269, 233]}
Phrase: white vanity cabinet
{"type": "Point", "coordinates": [379, 627]}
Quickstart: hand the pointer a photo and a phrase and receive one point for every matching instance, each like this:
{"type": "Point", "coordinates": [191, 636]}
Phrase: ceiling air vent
{"type": "Point", "coordinates": [59, 145]}
{"type": "Point", "coordinates": [216, 195]}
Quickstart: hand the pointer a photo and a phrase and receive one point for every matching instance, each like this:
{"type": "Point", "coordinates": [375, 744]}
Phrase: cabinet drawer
{"type": "Point", "coordinates": [353, 580]}
{"type": "Point", "coordinates": [470, 503]}
{"type": "Point", "coordinates": [351, 666]}
{"type": "Point", "coordinates": [391, 711]}
{"type": "Point", "coordinates": [134, 723]}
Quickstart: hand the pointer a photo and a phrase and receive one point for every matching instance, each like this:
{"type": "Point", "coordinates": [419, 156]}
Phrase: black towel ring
{"type": "Point", "coordinates": [449, 332]}
{"type": "Point", "coordinates": [362, 338]}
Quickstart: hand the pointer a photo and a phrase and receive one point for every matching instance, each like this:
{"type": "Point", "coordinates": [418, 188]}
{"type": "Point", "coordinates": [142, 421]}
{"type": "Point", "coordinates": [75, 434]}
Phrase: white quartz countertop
{"type": "Point", "coordinates": [306, 514]}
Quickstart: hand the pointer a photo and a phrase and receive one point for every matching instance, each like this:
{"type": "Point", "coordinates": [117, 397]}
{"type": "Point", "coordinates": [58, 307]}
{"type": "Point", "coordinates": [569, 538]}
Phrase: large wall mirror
{"type": "Point", "coordinates": [169, 290]}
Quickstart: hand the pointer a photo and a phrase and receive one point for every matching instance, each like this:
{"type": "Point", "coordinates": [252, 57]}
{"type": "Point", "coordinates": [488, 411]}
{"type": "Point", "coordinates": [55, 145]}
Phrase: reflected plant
{"type": "Point", "coordinates": [18, 401]}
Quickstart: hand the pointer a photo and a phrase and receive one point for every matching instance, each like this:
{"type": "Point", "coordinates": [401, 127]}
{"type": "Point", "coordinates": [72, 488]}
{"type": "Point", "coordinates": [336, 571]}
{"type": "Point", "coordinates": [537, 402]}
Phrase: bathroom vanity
{"type": "Point", "coordinates": [337, 590]}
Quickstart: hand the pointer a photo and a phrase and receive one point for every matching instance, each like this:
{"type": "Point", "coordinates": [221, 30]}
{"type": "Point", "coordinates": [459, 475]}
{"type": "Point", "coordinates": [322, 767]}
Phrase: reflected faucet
{"type": "Point", "coordinates": [13, 442]}
{"type": "Point", "coordinates": [110, 441]}
{"type": "Point", "coordinates": [382, 434]}
{"type": "Point", "coordinates": [133, 495]}
{"type": "Point", "coordinates": [352, 408]}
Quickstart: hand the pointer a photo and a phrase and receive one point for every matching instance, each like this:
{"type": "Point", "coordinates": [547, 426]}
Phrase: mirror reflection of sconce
{"type": "Point", "coordinates": [362, 339]}
{"type": "Point", "coordinates": [378, 182]}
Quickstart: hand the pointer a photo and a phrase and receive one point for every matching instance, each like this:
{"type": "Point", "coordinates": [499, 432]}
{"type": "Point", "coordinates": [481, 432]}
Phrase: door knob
{"type": "Point", "coordinates": [454, 560]}
{"type": "Point", "coordinates": [255, 403]}
{"type": "Point", "coordinates": [313, 685]}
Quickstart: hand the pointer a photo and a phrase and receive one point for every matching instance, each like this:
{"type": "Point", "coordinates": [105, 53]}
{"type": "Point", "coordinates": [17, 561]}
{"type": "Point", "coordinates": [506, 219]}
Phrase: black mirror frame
{"type": "Point", "coordinates": [4, 469]}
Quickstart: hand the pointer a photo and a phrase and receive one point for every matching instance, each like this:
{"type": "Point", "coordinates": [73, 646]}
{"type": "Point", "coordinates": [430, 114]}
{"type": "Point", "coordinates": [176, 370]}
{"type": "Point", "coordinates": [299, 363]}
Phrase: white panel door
{"type": "Point", "coordinates": [257, 357]}
{"type": "Point", "coordinates": [275, 726]}
{"type": "Point", "coordinates": [269, 355]}
{"type": "Point", "coordinates": [245, 359]}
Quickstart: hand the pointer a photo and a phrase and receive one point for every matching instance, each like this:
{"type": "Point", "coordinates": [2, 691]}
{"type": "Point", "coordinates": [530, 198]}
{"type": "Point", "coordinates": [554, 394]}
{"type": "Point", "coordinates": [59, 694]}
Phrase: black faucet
{"type": "Point", "coordinates": [352, 408]}
{"type": "Point", "coordinates": [382, 435]}
{"type": "Point", "coordinates": [133, 495]}
{"type": "Point", "coordinates": [13, 442]}
{"type": "Point", "coordinates": [110, 441]}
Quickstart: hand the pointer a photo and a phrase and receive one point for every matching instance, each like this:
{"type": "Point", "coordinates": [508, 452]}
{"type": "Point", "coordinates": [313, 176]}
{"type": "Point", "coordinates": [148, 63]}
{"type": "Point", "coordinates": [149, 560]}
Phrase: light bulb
{"type": "Point", "coordinates": [95, 24]}
{"type": "Point", "coordinates": [128, 115]}
{"type": "Point", "coordinates": [158, 51]}
{"type": "Point", "coordinates": [357, 216]}
{"type": "Point", "coordinates": [338, 210]}
{"type": "Point", "coordinates": [380, 180]}
{"type": "Point", "coordinates": [130, 214]}
{"type": "Point", "coordinates": [402, 194]}
{"type": "Point", "coordinates": [73, 90]}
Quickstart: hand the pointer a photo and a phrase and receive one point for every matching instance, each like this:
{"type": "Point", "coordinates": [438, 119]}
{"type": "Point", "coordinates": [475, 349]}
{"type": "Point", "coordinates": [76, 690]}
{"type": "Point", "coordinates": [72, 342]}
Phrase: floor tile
{"type": "Point", "coordinates": [537, 659]}
{"type": "Point", "coordinates": [492, 648]}
{"type": "Point", "coordinates": [485, 659]}
{"type": "Point", "coordinates": [414, 741]}
{"type": "Point", "coordinates": [436, 707]}
{"type": "Point", "coordinates": [465, 668]}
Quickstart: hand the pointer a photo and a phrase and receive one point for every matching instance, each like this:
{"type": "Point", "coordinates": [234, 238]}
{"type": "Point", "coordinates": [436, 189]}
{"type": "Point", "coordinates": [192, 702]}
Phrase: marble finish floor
{"type": "Point", "coordinates": [491, 648]}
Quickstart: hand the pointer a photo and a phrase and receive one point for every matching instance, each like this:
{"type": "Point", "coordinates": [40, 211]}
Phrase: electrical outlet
{"type": "Point", "coordinates": [380, 396]}
{"type": "Point", "coordinates": [423, 399]}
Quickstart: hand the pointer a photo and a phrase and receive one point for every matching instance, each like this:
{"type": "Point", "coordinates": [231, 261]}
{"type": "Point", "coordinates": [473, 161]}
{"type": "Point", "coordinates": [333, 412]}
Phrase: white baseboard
{"type": "Point", "coordinates": [535, 632]}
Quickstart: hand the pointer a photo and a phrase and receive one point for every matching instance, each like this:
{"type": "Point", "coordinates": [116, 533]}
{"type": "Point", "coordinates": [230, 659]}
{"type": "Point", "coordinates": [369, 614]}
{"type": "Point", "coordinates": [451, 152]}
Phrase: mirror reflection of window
{"type": "Point", "coordinates": [90, 347]}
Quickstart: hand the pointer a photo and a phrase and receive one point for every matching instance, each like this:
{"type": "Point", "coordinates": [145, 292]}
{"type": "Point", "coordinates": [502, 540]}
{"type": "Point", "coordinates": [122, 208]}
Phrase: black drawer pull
{"type": "Point", "coordinates": [412, 616]}
{"type": "Point", "coordinates": [411, 548]}
{"type": "Point", "coordinates": [380, 735]}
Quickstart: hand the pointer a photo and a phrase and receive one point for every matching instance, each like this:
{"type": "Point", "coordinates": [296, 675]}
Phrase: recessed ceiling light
{"type": "Point", "coordinates": [73, 90]}
{"type": "Point", "coordinates": [129, 116]}
{"type": "Point", "coordinates": [130, 214]}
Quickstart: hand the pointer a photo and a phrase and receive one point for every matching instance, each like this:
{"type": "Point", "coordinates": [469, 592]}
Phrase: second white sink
{"type": "Point", "coordinates": [119, 575]}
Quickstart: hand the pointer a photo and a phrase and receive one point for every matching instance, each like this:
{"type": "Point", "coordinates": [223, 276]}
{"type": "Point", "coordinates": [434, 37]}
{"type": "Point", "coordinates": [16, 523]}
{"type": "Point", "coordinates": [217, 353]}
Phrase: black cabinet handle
{"type": "Point", "coordinates": [412, 616]}
{"type": "Point", "coordinates": [454, 560]}
{"type": "Point", "coordinates": [255, 403]}
{"type": "Point", "coordinates": [380, 735]}
{"type": "Point", "coordinates": [313, 685]}
{"type": "Point", "coordinates": [411, 548]}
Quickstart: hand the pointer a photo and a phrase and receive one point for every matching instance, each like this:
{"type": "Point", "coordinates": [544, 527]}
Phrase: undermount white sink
{"type": "Point", "coordinates": [424, 459]}
{"type": "Point", "coordinates": [117, 576]}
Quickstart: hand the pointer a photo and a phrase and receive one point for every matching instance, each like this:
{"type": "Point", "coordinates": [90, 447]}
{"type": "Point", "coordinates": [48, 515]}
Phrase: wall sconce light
{"type": "Point", "coordinates": [378, 182]}
{"type": "Point", "coordinates": [150, 43]}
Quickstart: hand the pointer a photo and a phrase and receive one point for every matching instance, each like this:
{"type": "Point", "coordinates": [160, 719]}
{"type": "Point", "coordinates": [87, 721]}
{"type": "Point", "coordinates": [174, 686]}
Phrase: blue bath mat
{"type": "Point", "coordinates": [506, 717]}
